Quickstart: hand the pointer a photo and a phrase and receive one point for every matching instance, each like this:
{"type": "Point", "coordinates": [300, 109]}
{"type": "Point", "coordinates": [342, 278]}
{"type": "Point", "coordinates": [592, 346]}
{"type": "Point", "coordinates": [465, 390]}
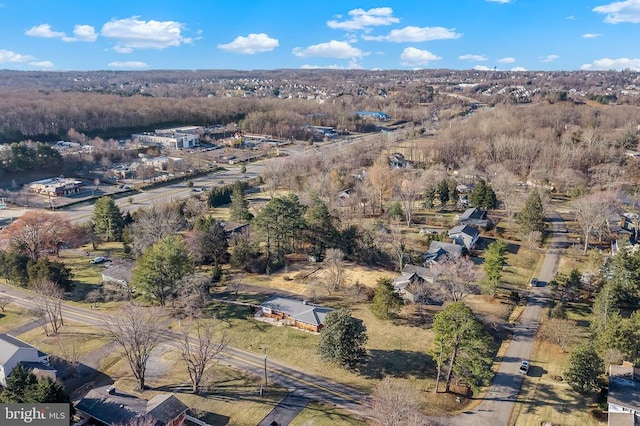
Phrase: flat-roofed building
{"type": "Point", "coordinates": [176, 138]}
{"type": "Point", "coordinates": [56, 187]}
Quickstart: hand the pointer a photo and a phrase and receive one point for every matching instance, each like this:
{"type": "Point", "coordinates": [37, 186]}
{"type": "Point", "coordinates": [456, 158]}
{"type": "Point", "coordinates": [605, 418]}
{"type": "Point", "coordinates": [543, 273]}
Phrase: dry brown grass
{"type": "Point", "coordinates": [13, 317]}
{"type": "Point", "coordinates": [545, 399]}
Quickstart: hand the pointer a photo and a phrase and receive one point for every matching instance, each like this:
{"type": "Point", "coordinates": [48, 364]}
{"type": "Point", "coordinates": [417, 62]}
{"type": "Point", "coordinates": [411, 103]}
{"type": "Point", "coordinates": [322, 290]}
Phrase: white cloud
{"type": "Point", "coordinates": [128, 64]}
{"type": "Point", "coordinates": [416, 34]}
{"type": "Point", "coordinates": [42, 64]}
{"type": "Point", "coordinates": [591, 35]}
{"type": "Point", "coordinates": [85, 33]}
{"type": "Point", "coordinates": [411, 56]}
{"type": "Point", "coordinates": [507, 60]}
{"type": "Point", "coordinates": [122, 49]}
{"type": "Point", "coordinates": [332, 49]}
{"type": "Point", "coordinates": [549, 58]}
{"type": "Point", "coordinates": [620, 11]}
{"type": "Point", "coordinates": [471, 57]}
{"type": "Point", "coordinates": [44, 31]}
{"type": "Point", "coordinates": [613, 64]}
{"type": "Point", "coordinates": [500, 1]}
{"type": "Point", "coordinates": [481, 68]}
{"type": "Point", "coordinates": [81, 32]}
{"type": "Point", "coordinates": [518, 69]}
{"type": "Point", "coordinates": [253, 43]}
{"type": "Point", "coordinates": [365, 19]}
{"type": "Point", "coordinates": [7, 56]}
{"type": "Point", "coordinates": [133, 33]}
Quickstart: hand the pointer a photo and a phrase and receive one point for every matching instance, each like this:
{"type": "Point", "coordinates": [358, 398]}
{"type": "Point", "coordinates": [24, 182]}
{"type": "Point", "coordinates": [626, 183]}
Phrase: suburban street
{"type": "Point", "coordinates": [303, 384]}
{"type": "Point", "coordinates": [498, 403]}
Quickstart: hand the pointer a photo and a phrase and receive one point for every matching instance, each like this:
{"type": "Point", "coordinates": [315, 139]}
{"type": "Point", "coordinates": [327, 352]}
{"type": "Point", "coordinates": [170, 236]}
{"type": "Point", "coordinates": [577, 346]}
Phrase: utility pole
{"type": "Point", "coordinates": [265, 367]}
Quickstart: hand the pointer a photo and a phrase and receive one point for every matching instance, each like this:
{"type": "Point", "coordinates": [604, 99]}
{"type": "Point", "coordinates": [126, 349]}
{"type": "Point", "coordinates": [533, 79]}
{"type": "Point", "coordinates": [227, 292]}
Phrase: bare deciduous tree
{"type": "Point", "coordinates": [138, 331]}
{"type": "Point", "coordinates": [201, 342]}
{"type": "Point", "coordinates": [235, 284]}
{"type": "Point", "coordinates": [151, 225]}
{"type": "Point", "coordinates": [396, 241]}
{"type": "Point", "coordinates": [193, 295]}
{"type": "Point", "coordinates": [48, 309]}
{"type": "Point", "coordinates": [411, 187]}
{"type": "Point", "coordinates": [335, 268]}
{"type": "Point", "coordinates": [394, 402]}
{"type": "Point", "coordinates": [4, 301]}
{"type": "Point", "coordinates": [69, 350]}
{"type": "Point", "coordinates": [534, 238]}
{"type": "Point", "coordinates": [456, 277]}
{"type": "Point", "coordinates": [562, 332]}
{"type": "Point", "coordinates": [37, 232]}
{"type": "Point", "coordinates": [592, 212]}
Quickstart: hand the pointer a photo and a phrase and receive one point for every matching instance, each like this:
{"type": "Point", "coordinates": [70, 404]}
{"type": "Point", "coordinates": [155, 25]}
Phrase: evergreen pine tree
{"type": "Point", "coordinates": [386, 302]}
{"type": "Point", "coordinates": [531, 217]}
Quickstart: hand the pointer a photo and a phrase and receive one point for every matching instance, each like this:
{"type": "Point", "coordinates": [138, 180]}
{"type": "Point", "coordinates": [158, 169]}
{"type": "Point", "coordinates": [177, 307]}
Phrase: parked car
{"type": "Point", "coordinates": [524, 367]}
{"type": "Point", "coordinates": [534, 282]}
{"type": "Point", "coordinates": [98, 259]}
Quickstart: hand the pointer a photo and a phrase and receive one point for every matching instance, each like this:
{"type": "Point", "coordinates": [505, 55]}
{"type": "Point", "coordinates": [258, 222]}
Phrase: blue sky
{"type": "Point", "coordinates": [270, 34]}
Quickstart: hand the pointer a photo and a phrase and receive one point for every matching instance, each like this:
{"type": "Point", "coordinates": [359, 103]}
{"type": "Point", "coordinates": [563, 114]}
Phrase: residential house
{"type": "Point", "coordinates": [624, 395]}
{"type": "Point", "coordinates": [234, 228]}
{"type": "Point", "coordinates": [300, 314]}
{"type": "Point", "coordinates": [111, 407]}
{"type": "Point", "coordinates": [475, 217]}
{"type": "Point", "coordinates": [412, 281]}
{"type": "Point", "coordinates": [439, 251]}
{"type": "Point", "coordinates": [120, 275]}
{"type": "Point", "coordinates": [397, 160]}
{"type": "Point", "coordinates": [464, 235]}
{"type": "Point", "coordinates": [14, 351]}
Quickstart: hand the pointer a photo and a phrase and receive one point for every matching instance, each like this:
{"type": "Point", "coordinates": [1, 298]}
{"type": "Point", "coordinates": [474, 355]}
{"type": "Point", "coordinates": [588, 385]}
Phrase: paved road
{"type": "Point", "coordinates": [499, 402]}
{"type": "Point", "coordinates": [303, 384]}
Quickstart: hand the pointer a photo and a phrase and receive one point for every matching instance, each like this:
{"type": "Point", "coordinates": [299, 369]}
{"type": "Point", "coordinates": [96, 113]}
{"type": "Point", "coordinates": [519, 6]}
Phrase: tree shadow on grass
{"type": "Point", "coordinates": [398, 363]}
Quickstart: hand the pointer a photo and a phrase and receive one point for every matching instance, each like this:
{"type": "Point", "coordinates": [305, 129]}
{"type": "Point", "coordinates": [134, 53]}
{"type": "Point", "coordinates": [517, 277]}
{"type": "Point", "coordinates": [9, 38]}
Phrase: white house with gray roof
{"type": "Point", "coordinates": [623, 397]}
{"type": "Point", "coordinates": [14, 351]}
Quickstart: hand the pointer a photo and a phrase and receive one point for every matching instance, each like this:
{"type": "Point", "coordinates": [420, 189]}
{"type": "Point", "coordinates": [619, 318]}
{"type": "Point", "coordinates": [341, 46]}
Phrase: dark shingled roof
{"type": "Point", "coordinates": [165, 407]}
{"type": "Point", "coordinates": [119, 407]}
